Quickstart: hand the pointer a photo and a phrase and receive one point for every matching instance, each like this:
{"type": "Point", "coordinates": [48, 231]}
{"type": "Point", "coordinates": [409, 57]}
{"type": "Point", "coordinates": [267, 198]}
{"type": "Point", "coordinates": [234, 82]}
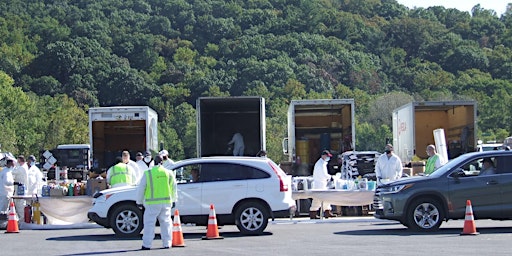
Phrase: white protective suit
{"type": "Point", "coordinates": [6, 188]}
{"type": "Point", "coordinates": [152, 212]}
{"type": "Point", "coordinates": [20, 175]}
{"type": "Point", "coordinates": [320, 179]}
{"type": "Point", "coordinates": [238, 144]}
{"type": "Point", "coordinates": [142, 167]}
{"type": "Point", "coordinates": [388, 168]}
{"type": "Point", "coordinates": [35, 181]}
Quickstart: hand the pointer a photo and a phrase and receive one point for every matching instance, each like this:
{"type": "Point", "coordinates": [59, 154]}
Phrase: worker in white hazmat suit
{"type": "Point", "coordinates": [20, 175]}
{"type": "Point", "coordinates": [320, 179]}
{"type": "Point", "coordinates": [389, 166]}
{"type": "Point", "coordinates": [6, 185]}
{"type": "Point", "coordinates": [34, 177]}
{"type": "Point", "coordinates": [156, 195]}
{"type": "Point", "coordinates": [238, 144]}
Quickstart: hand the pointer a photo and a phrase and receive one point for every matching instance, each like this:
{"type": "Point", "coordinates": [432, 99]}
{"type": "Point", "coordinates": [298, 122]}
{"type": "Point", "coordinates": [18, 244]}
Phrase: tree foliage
{"type": "Point", "coordinates": [165, 54]}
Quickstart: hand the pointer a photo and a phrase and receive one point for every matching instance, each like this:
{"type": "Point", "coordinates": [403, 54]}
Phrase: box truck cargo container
{"type": "Point", "coordinates": [219, 118]}
{"type": "Point", "coordinates": [114, 129]}
{"type": "Point", "coordinates": [315, 125]}
{"type": "Point", "coordinates": [414, 123]}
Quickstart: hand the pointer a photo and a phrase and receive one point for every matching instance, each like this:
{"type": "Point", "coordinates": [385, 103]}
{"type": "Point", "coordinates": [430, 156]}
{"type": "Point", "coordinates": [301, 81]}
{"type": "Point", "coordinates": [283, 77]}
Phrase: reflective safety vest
{"type": "Point", "coordinates": [159, 186]}
{"type": "Point", "coordinates": [121, 173]}
{"type": "Point", "coordinates": [430, 166]}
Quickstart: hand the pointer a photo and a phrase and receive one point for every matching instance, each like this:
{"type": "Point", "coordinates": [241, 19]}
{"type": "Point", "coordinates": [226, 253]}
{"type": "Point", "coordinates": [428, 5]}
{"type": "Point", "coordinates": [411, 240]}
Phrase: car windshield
{"type": "Point", "coordinates": [450, 165]}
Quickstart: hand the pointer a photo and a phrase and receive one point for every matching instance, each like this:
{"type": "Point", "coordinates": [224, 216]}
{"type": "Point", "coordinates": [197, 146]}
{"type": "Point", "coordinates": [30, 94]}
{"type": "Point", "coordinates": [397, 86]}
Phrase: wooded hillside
{"type": "Point", "coordinates": [59, 57]}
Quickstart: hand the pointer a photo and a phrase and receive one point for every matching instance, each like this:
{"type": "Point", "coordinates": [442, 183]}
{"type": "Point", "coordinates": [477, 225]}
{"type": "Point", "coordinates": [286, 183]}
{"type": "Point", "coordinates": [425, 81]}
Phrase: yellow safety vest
{"type": "Point", "coordinates": [121, 173]}
{"type": "Point", "coordinates": [159, 186]}
{"type": "Point", "coordinates": [430, 166]}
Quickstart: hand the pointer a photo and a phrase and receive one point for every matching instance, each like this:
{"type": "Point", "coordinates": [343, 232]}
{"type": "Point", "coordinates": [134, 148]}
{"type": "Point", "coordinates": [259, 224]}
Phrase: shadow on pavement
{"type": "Point", "coordinates": [110, 237]}
{"type": "Point", "coordinates": [405, 232]}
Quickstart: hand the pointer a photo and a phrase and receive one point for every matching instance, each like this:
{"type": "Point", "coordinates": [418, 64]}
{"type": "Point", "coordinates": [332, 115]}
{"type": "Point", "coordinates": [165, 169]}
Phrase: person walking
{"type": "Point", "coordinates": [389, 166]}
{"type": "Point", "coordinates": [121, 174]}
{"type": "Point", "coordinates": [156, 195]}
{"type": "Point", "coordinates": [6, 185]}
{"type": "Point", "coordinates": [320, 179]}
{"type": "Point", "coordinates": [20, 175]}
{"type": "Point", "coordinates": [434, 161]}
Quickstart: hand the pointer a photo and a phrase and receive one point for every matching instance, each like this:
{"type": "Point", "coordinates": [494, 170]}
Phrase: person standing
{"type": "Point", "coordinates": [156, 194]}
{"type": "Point", "coordinates": [434, 160]}
{"type": "Point", "coordinates": [238, 144]}
{"type": "Point", "coordinates": [6, 185]}
{"type": "Point", "coordinates": [388, 166]}
{"type": "Point", "coordinates": [320, 179]}
{"type": "Point", "coordinates": [148, 160]}
{"type": "Point", "coordinates": [121, 174]}
{"type": "Point", "coordinates": [167, 162]}
{"type": "Point", "coordinates": [34, 177]}
{"type": "Point", "coordinates": [20, 175]}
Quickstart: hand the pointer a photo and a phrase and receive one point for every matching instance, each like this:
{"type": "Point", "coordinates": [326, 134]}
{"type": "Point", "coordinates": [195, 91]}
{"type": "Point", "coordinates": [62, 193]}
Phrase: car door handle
{"type": "Point", "coordinates": [492, 182]}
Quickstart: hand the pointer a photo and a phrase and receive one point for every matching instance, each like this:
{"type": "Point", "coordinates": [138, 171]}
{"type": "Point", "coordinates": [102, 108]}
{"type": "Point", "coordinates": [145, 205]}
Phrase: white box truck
{"type": "Point", "coordinates": [114, 129]}
{"type": "Point", "coordinates": [315, 125]}
{"type": "Point", "coordinates": [219, 118]}
{"type": "Point", "coordinates": [414, 123]}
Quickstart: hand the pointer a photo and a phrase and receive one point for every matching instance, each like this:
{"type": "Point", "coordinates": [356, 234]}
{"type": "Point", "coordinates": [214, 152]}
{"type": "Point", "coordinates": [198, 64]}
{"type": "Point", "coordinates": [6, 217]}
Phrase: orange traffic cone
{"type": "Point", "coordinates": [469, 221]}
{"type": "Point", "coordinates": [213, 230]}
{"type": "Point", "coordinates": [177, 233]}
{"type": "Point", "coordinates": [12, 223]}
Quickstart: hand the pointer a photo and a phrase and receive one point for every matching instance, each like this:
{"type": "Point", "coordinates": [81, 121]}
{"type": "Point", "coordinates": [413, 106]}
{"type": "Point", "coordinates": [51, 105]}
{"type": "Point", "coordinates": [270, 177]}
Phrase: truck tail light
{"type": "Point", "coordinates": [283, 187]}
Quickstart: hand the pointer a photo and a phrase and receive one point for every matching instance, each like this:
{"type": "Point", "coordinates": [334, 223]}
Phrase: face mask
{"type": "Point", "coordinates": [388, 151]}
{"type": "Point", "coordinates": [147, 159]}
{"type": "Point", "coordinates": [327, 158]}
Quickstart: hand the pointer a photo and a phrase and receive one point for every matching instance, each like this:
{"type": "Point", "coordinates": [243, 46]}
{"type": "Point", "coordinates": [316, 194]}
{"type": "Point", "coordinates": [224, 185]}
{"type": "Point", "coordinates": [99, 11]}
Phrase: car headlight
{"type": "Point", "coordinates": [394, 189]}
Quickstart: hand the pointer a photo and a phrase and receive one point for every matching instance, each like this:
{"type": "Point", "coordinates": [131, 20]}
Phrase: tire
{"type": "Point", "coordinates": [425, 215]}
{"type": "Point", "coordinates": [126, 220]}
{"type": "Point", "coordinates": [251, 218]}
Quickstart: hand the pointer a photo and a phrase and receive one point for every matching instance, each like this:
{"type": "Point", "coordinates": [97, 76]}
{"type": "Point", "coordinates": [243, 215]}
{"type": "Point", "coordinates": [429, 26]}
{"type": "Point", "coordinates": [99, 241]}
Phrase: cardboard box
{"type": "Point", "coordinates": [408, 171]}
{"type": "Point", "coordinates": [95, 185]}
{"type": "Point", "coordinates": [418, 167]}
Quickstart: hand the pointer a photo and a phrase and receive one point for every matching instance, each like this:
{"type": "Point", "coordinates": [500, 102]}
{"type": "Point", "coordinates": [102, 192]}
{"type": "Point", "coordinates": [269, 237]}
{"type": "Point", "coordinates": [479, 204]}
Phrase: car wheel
{"type": "Point", "coordinates": [425, 215]}
{"type": "Point", "coordinates": [126, 220]}
{"type": "Point", "coordinates": [251, 218]}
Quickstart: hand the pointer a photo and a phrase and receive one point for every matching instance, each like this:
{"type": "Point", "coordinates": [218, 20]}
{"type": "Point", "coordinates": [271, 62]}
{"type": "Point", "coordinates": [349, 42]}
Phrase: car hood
{"type": "Point", "coordinates": [118, 189]}
{"type": "Point", "coordinates": [407, 180]}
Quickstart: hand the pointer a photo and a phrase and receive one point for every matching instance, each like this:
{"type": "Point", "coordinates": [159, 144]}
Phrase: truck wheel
{"type": "Point", "coordinates": [251, 218]}
{"type": "Point", "coordinates": [126, 220]}
{"type": "Point", "coordinates": [425, 214]}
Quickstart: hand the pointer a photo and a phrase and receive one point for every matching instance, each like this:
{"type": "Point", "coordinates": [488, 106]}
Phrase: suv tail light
{"type": "Point", "coordinates": [282, 186]}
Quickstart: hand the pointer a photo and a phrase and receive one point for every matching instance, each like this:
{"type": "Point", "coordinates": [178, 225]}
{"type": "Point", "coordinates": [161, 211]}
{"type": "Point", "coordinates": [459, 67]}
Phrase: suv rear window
{"type": "Point", "coordinates": [225, 171]}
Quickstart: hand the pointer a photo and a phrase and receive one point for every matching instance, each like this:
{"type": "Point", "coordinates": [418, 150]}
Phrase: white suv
{"type": "Point", "coordinates": [245, 191]}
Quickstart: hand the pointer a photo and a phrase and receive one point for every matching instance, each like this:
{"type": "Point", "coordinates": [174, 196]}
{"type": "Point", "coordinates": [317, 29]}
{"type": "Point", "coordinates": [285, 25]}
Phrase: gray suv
{"type": "Point", "coordinates": [421, 203]}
